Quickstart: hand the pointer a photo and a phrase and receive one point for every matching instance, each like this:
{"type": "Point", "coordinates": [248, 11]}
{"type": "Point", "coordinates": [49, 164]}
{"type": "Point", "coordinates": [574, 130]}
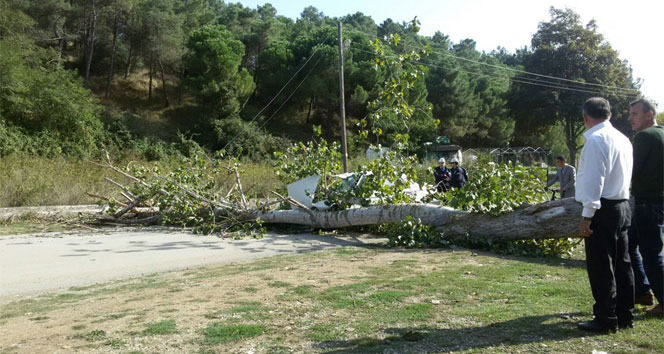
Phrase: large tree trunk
{"type": "Point", "coordinates": [110, 69]}
{"type": "Point", "coordinates": [556, 219]}
{"type": "Point", "coordinates": [572, 132]}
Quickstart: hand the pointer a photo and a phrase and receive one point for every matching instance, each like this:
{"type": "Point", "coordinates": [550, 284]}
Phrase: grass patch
{"type": "Point", "coordinates": [346, 296]}
{"type": "Point", "coordinates": [347, 251]}
{"type": "Point", "coordinates": [303, 289]}
{"type": "Point", "coordinates": [163, 327]}
{"type": "Point", "coordinates": [30, 223]}
{"type": "Point", "coordinates": [245, 307]}
{"type": "Point", "coordinates": [218, 333]}
{"type": "Point", "coordinates": [92, 336]}
{"type": "Point", "coordinates": [115, 343]}
{"type": "Point", "coordinates": [322, 332]}
{"type": "Point", "coordinates": [279, 284]}
{"type": "Point", "coordinates": [388, 296]}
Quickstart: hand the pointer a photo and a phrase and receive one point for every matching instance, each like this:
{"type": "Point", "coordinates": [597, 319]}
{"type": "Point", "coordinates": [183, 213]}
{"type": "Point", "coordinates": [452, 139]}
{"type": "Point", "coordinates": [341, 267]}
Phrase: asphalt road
{"type": "Point", "coordinates": [34, 264]}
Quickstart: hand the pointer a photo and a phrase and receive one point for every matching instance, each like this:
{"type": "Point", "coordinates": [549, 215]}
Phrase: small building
{"type": "Point", "coordinates": [442, 148]}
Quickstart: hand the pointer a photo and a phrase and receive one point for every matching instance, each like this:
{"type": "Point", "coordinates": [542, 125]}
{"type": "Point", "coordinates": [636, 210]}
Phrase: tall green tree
{"type": "Point", "coordinates": [564, 48]}
{"type": "Point", "coordinates": [468, 92]}
{"type": "Point", "coordinates": [213, 72]}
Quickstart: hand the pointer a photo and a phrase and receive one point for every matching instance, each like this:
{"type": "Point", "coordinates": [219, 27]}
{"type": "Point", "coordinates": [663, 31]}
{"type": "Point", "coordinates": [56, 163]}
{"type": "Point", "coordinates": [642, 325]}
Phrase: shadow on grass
{"type": "Point", "coordinates": [516, 332]}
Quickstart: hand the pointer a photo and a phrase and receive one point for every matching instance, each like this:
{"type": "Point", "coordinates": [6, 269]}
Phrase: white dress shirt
{"type": "Point", "coordinates": [605, 167]}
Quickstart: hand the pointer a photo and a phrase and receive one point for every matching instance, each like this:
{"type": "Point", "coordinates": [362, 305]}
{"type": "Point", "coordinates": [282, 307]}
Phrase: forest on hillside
{"type": "Point", "coordinates": [77, 76]}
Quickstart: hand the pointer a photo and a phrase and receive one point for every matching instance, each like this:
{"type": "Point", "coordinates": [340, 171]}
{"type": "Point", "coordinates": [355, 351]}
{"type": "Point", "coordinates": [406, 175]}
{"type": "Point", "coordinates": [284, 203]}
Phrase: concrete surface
{"type": "Point", "coordinates": [33, 264]}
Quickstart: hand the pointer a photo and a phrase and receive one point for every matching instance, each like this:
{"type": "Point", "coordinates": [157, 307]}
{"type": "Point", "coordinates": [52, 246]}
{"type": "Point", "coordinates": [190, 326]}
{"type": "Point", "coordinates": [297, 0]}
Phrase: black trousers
{"type": "Point", "coordinates": [608, 262]}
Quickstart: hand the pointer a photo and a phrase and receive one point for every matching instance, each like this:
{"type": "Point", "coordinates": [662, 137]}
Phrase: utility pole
{"type": "Point", "coordinates": [342, 105]}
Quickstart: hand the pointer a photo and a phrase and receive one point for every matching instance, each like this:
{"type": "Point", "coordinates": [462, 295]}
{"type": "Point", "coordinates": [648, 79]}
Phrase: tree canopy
{"type": "Point", "coordinates": [222, 73]}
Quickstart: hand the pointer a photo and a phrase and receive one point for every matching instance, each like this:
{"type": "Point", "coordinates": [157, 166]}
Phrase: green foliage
{"type": "Point", "coordinates": [380, 181]}
{"type": "Point", "coordinates": [43, 109]}
{"type": "Point", "coordinates": [314, 158]}
{"type": "Point", "coordinates": [241, 137]}
{"type": "Point", "coordinates": [471, 106]}
{"type": "Point", "coordinates": [498, 188]}
{"type": "Point", "coordinates": [412, 233]}
{"type": "Point", "coordinates": [188, 196]}
{"type": "Point", "coordinates": [400, 106]}
{"type": "Point", "coordinates": [492, 189]}
{"type": "Point", "coordinates": [563, 47]}
{"type": "Point", "coordinates": [386, 179]}
{"type": "Point", "coordinates": [212, 66]}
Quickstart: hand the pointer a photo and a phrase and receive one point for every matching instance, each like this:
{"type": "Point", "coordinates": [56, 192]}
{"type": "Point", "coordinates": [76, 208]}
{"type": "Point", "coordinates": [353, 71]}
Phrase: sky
{"type": "Point", "coordinates": [634, 28]}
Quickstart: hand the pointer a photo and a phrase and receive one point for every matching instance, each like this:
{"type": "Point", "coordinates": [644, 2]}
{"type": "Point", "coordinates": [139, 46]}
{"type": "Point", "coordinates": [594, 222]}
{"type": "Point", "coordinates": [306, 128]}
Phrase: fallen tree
{"type": "Point", "coordinates": [555, 219]}
{"type": "Point", "coordinates": [175, 199]}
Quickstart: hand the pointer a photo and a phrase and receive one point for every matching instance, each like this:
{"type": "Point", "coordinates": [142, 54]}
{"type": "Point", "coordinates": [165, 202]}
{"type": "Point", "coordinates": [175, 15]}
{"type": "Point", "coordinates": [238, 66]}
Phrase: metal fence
{"type": "Point", "coordinates": [527, 156]}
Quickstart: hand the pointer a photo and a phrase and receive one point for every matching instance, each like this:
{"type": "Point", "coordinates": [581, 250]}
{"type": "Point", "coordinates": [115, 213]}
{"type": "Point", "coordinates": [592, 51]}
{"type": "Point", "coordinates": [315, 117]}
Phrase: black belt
{"type": "Point", "coordinates": [605, 201]}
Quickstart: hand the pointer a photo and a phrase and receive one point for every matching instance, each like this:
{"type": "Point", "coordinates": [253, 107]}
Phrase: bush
{"type": "Point", "coordinates": [239, 137]}
{"type": "Point", "coordinates": [44, 109]}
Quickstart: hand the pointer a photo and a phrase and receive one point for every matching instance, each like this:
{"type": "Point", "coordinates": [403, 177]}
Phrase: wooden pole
{"type": "Point", "coordinates": [342, 106]}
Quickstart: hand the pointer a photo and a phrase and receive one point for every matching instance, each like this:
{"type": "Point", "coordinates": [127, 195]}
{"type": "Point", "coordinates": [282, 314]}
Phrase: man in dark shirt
{"type": "Point", "coordinates": [648, 192]}
{"type": "Point", "coordinates": [458, 173]}
{"type": "Point", "coordinates": [441, 174]}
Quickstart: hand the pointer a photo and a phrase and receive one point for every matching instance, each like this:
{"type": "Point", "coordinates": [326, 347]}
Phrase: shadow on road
{"type": "Point", "coordinates": [272, 243]}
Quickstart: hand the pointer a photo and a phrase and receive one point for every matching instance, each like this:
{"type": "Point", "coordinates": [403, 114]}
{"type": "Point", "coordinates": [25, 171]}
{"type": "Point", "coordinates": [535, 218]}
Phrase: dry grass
{"type": "Point", "coordinates": [39, 181]}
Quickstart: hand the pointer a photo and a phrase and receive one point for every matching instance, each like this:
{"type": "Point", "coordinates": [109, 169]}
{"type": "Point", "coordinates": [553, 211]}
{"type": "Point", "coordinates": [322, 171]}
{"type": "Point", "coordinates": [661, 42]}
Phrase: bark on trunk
{"type": "Point", "coordinates": [181, 87]}
{"type": "Point", "coordinates": [163, 83]}
{"type": "Point", "coordinates": [60, 35]}
{"type": "Point", "coordinates": [150, 85]}
{"type": "Point", "coordinates": [91, 41]}
{"type": "Point", "coordinates": [128, 66]}
{"type": "Point", "coordinates": [556, 219]}
{"type": "Point", "coordinates": [110, 69]}
{"type": "Point", "coordinates": [311, 107]}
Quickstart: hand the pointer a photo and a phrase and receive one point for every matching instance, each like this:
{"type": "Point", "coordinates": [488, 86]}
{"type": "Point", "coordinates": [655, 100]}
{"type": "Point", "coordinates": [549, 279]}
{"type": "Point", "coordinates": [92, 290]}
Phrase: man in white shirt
{"type": "Point", "coordinates": [602, 186]}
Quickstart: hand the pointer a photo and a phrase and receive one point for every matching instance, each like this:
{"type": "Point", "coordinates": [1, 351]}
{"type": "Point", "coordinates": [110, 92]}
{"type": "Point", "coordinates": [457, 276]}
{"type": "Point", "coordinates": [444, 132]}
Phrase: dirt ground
{"type": "Point", "coordinates": [112, 318]}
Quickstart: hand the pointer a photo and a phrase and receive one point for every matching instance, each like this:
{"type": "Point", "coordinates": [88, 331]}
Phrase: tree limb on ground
{"type": "Point", "coordinates": [556, 219]}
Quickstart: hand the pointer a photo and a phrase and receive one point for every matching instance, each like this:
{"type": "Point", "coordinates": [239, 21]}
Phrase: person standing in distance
{"type": "Point", "coordinates": [566, 175]}
{"type": "Point", "coordinates": [602, 186]}
{"type": "Point", "coordinates": [648, 192]}
{"type": "Point", "coordinates": [441, 175]}
{"type": "Point", "coordinates": [459, 175]}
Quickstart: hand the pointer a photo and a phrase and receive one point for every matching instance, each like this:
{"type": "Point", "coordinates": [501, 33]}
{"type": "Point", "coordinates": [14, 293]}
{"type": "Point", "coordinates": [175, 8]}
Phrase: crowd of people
{"type": "Point", "coordinates": [623, 244]}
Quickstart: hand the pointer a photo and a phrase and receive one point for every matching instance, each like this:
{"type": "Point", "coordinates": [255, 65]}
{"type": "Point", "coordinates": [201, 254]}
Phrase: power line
{"type": "Point", "coordinates": [635, 92]}
{"type": "Point", "coordinates": [277, 94]}
{"type": "Point", "coordinates": [292, 93]}
{"type": "Point", "coordinates": [523, 80]}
